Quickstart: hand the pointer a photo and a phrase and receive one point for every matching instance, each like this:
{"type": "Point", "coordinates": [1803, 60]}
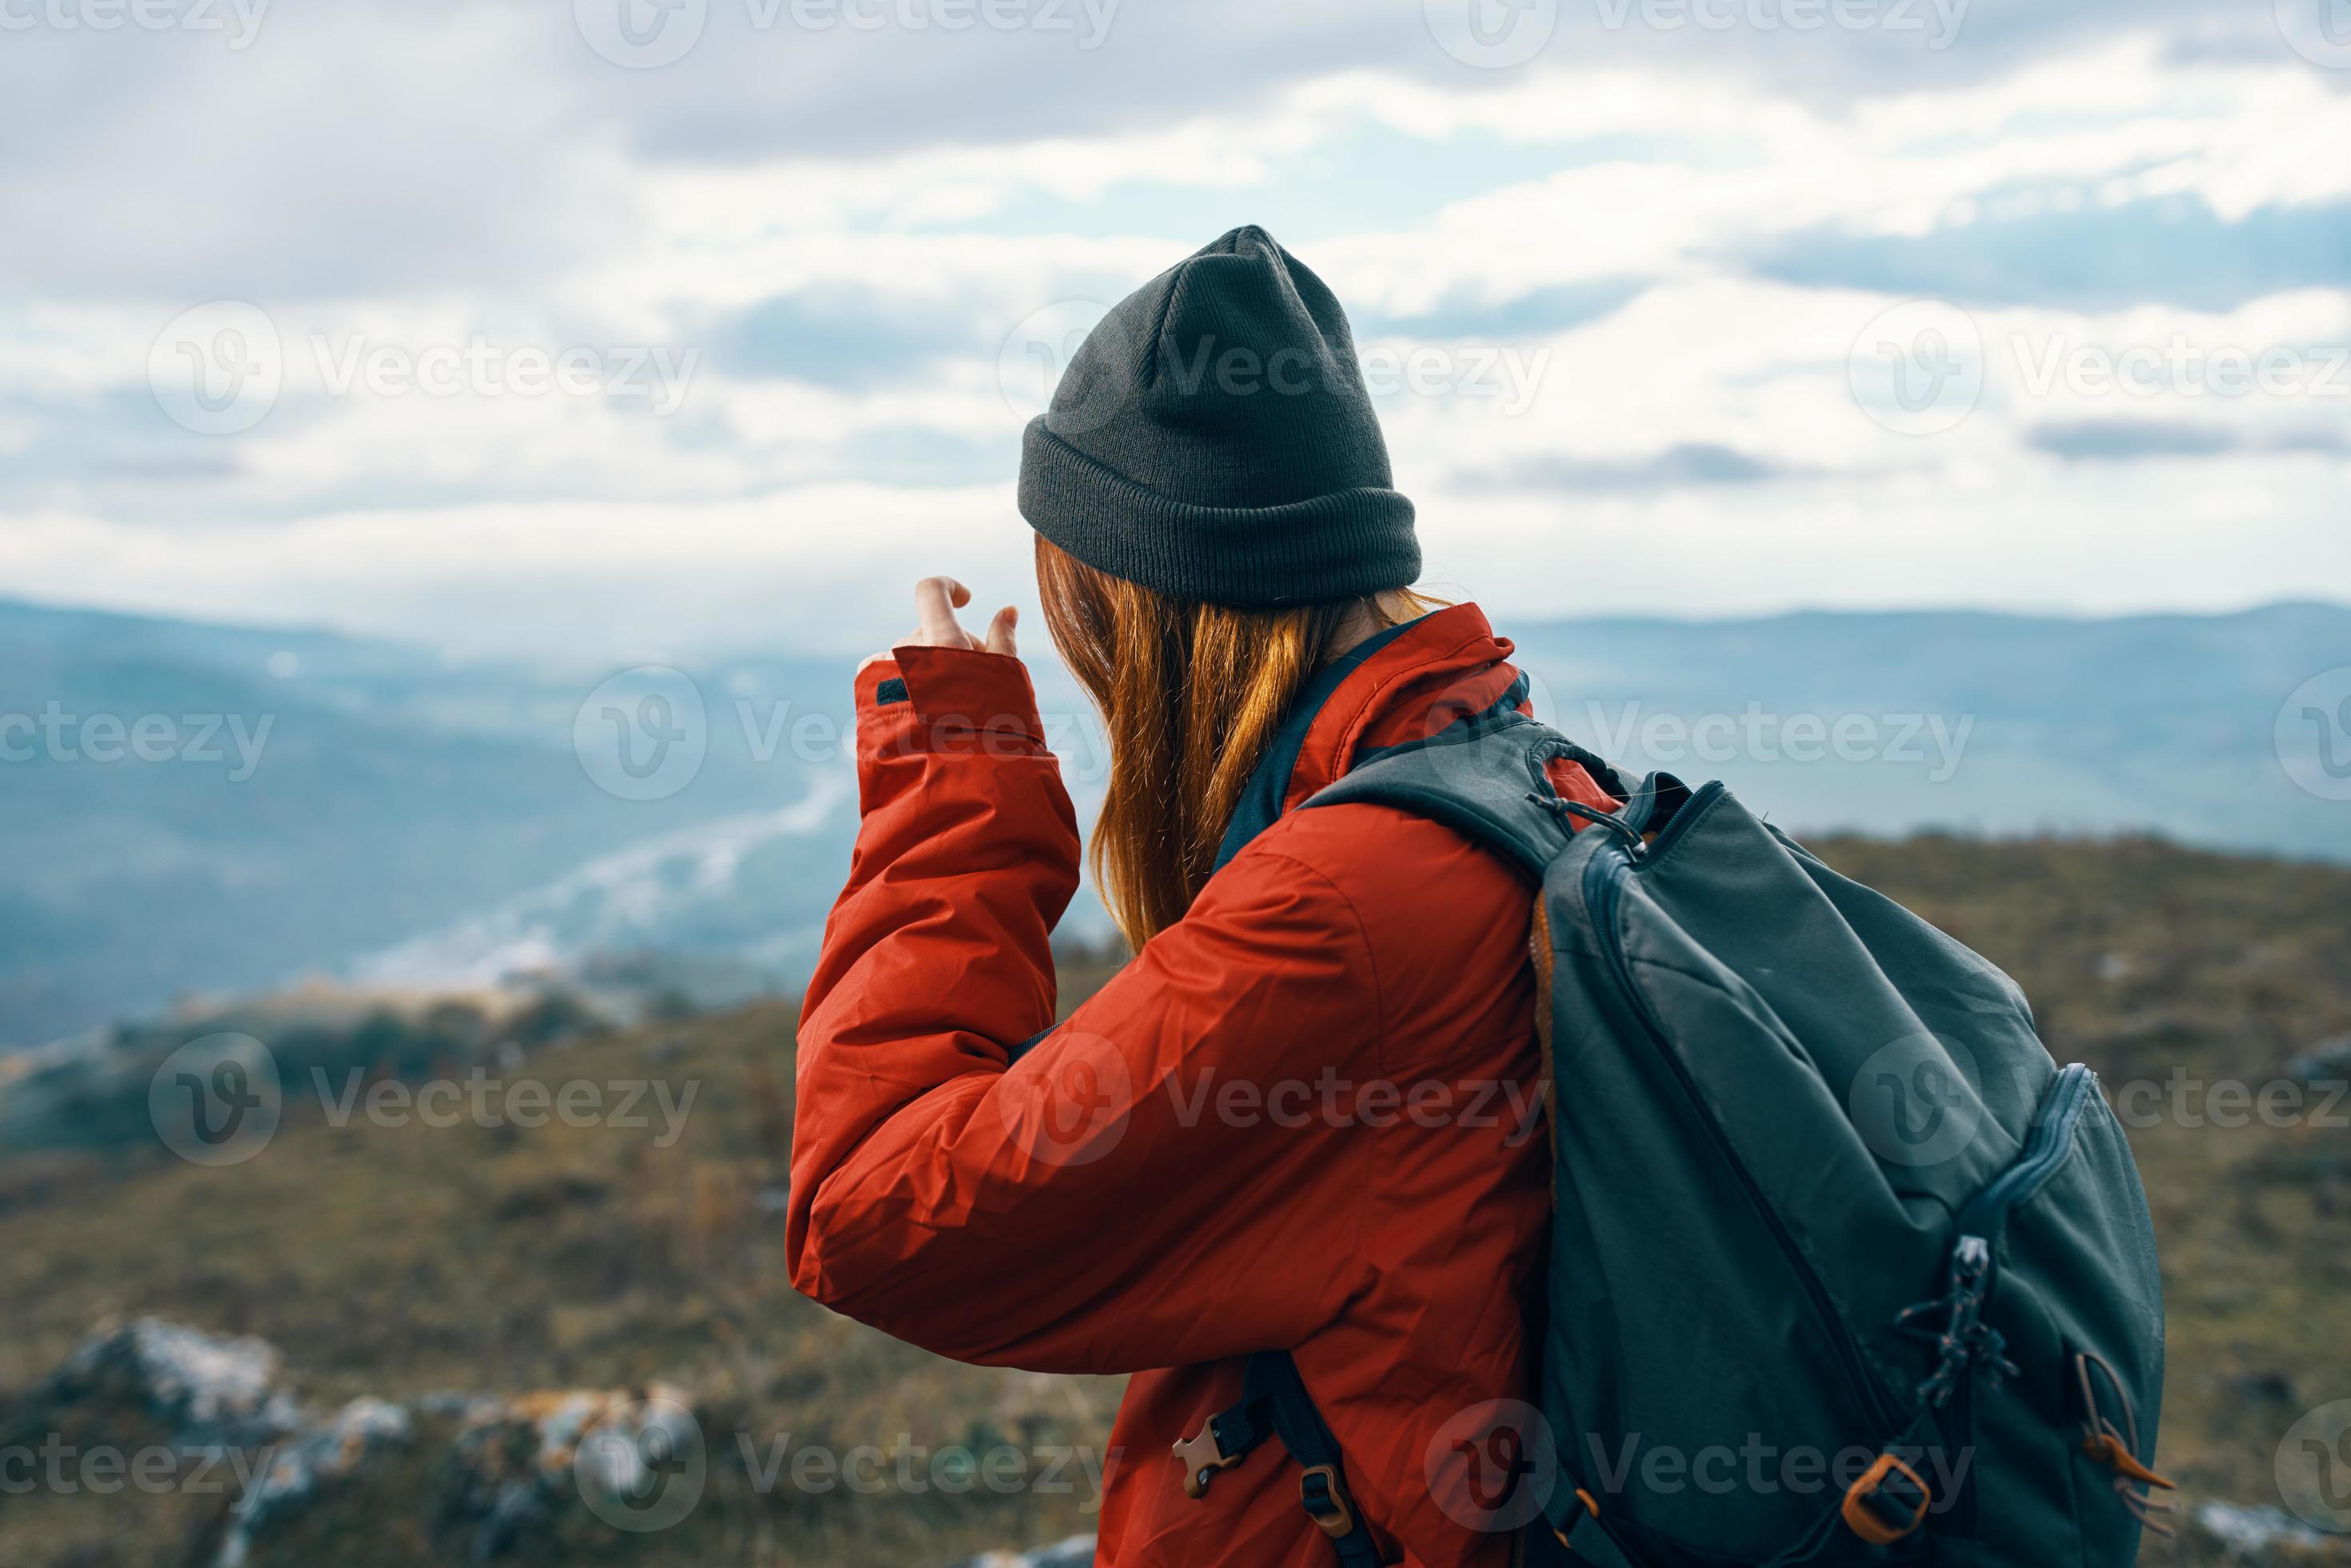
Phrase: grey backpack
{"type": "Point", "coordinates": [1843, 1266]}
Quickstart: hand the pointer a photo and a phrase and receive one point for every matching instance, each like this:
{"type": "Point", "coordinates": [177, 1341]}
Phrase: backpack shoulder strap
{"type": "Point", "coordinates": [1484, 776]}
{"type": "Point", "coordinates": [1274, 1404]}
{"type": "Point", "coordinates": [1484, 779]}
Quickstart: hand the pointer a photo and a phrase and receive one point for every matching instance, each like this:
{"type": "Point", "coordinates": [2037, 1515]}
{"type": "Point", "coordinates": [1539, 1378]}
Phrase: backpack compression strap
{"type": "Point", "coordinates": [1275, 1403]}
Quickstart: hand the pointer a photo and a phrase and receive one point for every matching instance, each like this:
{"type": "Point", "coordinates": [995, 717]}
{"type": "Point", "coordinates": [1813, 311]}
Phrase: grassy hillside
{"type": "Point", "coordinates": [402, 1261]}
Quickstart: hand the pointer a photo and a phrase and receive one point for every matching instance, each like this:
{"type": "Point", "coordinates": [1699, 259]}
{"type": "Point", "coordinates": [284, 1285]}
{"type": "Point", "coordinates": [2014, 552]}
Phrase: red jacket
{"type": "Point", "coordinates": [1305, 1117]}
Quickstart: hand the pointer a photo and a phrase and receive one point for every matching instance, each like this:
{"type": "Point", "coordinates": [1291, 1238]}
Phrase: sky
{"type": "Point", "coordinates": [624, 329]}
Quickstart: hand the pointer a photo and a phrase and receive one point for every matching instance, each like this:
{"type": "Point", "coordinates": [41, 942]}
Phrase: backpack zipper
{"type": "Point", "coordinates": [2045, 1149]}
{"type": "Point", "coordinates": [1974, 1252]}
{"type": "Point", "coordinates": [1605, 877]}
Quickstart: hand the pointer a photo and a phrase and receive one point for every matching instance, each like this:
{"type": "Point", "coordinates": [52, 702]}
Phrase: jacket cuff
{"type": "Point", "coordinates": [926, 699]}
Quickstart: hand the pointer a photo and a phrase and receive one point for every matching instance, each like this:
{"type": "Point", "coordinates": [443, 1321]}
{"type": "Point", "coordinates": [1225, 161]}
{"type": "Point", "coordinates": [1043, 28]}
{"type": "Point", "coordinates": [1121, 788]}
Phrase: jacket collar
{"type": "Point", "coordinates": [1431, 672]}
{"type": "Point", "coordinates": [1405, 683]}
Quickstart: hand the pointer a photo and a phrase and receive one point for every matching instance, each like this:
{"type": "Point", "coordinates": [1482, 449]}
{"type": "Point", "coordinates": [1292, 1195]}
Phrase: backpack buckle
{"type": "Point", "coordinates": [1326, 1502]}
{"type": "Point", "coordinates": [1888, 1503]}
{"type": "Point", "coordinates": [1202, 1457]}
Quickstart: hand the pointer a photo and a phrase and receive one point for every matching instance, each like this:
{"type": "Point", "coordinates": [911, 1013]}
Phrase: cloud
{"type": "Point", "coordinates": [1539, 312]}
{"type": "Point", "coordinates": [1679, 467]}
{"type": "Point", "coordinates": [2173, 251]}
{"type": "Point", "coordinates": [2132, 440]}
{"type": "Point", "coordinates": [1672, 237]}
{"type": "Point", "coordinates": [844, 338]}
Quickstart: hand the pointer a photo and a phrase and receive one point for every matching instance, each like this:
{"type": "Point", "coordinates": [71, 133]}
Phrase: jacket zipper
{"type": "Point", "coordinates": [1603, 881]}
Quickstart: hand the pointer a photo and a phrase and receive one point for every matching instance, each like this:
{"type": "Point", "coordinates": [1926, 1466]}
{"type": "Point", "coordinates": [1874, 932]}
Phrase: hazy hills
{"type": "Point", "coordinates": [214, 809]}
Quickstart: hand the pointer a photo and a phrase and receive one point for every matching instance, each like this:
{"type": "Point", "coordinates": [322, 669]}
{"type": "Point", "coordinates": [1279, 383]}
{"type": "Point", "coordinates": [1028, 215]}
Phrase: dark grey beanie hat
{"type": "Point", "coordinates": [1212, 440]}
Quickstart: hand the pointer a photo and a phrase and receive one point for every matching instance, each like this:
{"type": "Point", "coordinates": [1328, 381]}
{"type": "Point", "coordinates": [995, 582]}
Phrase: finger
{"type": "Point", "coordinates": [999, 631]}
{"type": "Point", "coordinates": [936, 599]}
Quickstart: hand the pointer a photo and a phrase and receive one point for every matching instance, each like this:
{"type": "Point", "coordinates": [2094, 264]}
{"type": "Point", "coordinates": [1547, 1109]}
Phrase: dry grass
{"type": "Point", "coordinates": [398, 1261]}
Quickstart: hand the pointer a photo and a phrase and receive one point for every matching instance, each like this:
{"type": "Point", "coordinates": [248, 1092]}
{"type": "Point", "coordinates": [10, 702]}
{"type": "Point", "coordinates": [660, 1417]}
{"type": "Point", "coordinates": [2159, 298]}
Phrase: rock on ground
{"type": "Point", "coordinates": [2248, 1533]}
{"type": "Point", "coordinates": [1077, 1551]}
{"type": "Point", "coordinates": [328, 1451]}
{"type": "Point", "coordinates": [205, 1387]}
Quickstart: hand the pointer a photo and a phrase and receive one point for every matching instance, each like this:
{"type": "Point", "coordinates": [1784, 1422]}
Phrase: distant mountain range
{"type": "Point", "coordinates": [201, 809]}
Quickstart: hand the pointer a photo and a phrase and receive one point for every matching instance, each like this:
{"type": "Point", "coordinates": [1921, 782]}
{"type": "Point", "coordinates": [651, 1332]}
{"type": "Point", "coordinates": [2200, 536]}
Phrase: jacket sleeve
{"type": "Point", "coordinates": [1167, 1179]}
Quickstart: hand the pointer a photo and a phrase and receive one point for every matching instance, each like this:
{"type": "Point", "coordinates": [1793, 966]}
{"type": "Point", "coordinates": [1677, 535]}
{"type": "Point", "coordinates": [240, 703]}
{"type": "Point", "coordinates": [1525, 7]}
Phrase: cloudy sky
{"type": "Point", "coordinates": [626, 329]}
